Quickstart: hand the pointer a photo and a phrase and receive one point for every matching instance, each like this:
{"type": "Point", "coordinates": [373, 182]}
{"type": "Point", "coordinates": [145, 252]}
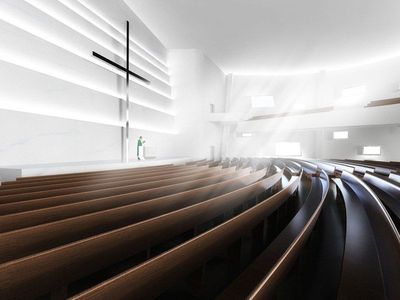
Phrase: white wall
{"type": "Point", "coordinates": [54, 95]}
{"type": "Point", "coordinates": [388, 137]}
{"type": "Point", "coordinates": [319, 143]}
{"type": "Point", "coordinates": [318, 90]}
{"type": "Point", "coordinates": [263, 144]}
{"type": "Point", "coordinates": [382, 80]}
{"type": "Point", "coordinates": [32, 139]}
{"type": "Point", "coordinates": [197, 82]}
{"type": "Point", "coordinates": [60, 104]}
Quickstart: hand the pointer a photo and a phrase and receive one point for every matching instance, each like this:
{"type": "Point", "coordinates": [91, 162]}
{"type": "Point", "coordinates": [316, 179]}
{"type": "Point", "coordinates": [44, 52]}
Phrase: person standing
{"type": "Point", "coordinates": [139, 150]}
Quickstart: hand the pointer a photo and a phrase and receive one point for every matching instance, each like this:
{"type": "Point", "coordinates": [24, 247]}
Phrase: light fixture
{"type": "Point", "coordinates": [25, 26]}
{"type": "Point", "coordinates": [28, 64]}
{"type": "Point", "coordinates": [161, 64]}
{"type": "Point", "coordinates": [340, 135]}
{"type": "Point", "coordinates": [247, 134]}
{"type": "Point", "coordinates": [372, 150]}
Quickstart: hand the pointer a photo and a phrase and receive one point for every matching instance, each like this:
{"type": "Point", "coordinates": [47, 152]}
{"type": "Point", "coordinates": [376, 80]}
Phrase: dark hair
{"type": "Point", "coordinates": [140, 137]}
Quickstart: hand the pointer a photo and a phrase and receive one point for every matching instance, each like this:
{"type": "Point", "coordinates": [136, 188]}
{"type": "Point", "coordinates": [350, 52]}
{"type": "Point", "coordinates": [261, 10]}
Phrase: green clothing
{"type": "Point", "coordinates": [139, 144]}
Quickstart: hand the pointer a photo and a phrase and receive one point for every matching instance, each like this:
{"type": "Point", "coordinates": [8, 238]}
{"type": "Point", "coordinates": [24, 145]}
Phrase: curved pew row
{"type": "Point", "coordinates": [389, 164]}
{"type": "Point", "coordinates": [39, 273]}
{"type": "Point", "coordinates": [88, 173]}
{"type": "Point", "coordinates": [82, 175]}
{"type": "Point", "coordinates": [204, 163]}
{"type": "Point", "coordinates": [49, 214]}
{"type": "Point", "coordinates": [339, 167]}
{"type": "Point", "coordinates": [360, 256]}
{"type": "Point", "coordinates": [357, 167]}
{"type": "Point", "coordinates": [150, 278]}
{"type": "Point", "coordinates": [377, 168]}
{"type": "Point", "coordinates": [30, 193]}
{"type": "Point", "coordinates": [111, 171]}
{"type": "Point", "coordinates": [307, 167]}
{"type": "Point", "coordinates": [16, 244]}
{"type": "Point", "coordinates": [386, 237]}
{"type": "Point", "coordinates": [293, 167]}
{"type": "Point", "coordinates": [50, 234]}
{"type": "Point", "coordinates": [104, 178]}
{"type": "Point", "coordinates": [329, 169]}
{"type": "Point", "coordinates": [194, 162]}
{"type": "Point", "coordinates": [105, 172]}
{"type": "Point", "coordinates": [262, 277]}
{"type": "Point", "coordinates": [388, 192]}
{"type": "Point", "coordinates": [395, 177]}
{"type": "Point", "coordinates": [26, 205]}
{"type": "Point", "coordinates": [386, 188]}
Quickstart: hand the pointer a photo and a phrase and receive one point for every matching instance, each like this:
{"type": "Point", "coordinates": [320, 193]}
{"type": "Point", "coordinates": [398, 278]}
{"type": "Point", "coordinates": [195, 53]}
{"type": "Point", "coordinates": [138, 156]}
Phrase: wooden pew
{"type": "Point", "coordinates": [383, 167]}
{"type": "Point", "coordinates": [149, 279]}
{"type": "Point", "coordinates": [16, 244]}
{"type": "Point", "coordinates": [386, 236]}
{"type": "Point", "coordinates": [393, 164]}
{"type": "Point", "coordinates": [395, 177]}
{"type": "Point", "coordinates": [309, 168]}
{"type": "Point", "coordinates": [196, 162]}
{"type": "Point", "coordinates": [38, 177]}
{"type": "Point", "coordinates": [40, 273]}
{"type": "Point", "coordinates": [378, 168]}
{"type": "Point", "coordinates": [329, 169]}
{"type": "Point", "coordinates": [50, 214]}
{"type": "Point", "coordinates": [204, 163]}
{"type": "Point", "coordinates": [215, 164]}
{"type": "Point", "coordinates": [43, 184]}
{"type": "Point", "coordinates": [30, 193]}
{"type": "Point", "coordinates": [339, 168]}
{"type": "Point", "coordinates": [15, 207]}
{"type": "Point", "coordinates": [360, 256]}
{"type": "Point", "coordinates": [384, 183]}
{"type": "Point", "coordinates": [358, 168]}
{"type": "Point", "coordinates": [263, 276]}
{"type": "Point", "coordinates": [295, 168]}
{"type": "Point", "coordinates": [388, 192]}
{"type": "Point", "coordinates": [81, 175]}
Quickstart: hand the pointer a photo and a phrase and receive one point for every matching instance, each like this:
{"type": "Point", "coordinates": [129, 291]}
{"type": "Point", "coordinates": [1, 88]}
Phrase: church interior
{"type": "Point", "coordinates": [199, 149]}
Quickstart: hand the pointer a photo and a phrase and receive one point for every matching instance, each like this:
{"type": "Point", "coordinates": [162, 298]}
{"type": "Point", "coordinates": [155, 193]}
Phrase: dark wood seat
{"type": "Point", "coordinates": [21, 206]}
{"type": "Point", "coordinates": [262, 277]}
{"type": "Point", "coordinates": [39, 273]}
{"type": "Point", "coordinates": [150, 278]}
{"type": "Point", "coordinates": [386, 236]}
{"type": "Point", "coordinates": [231, 229]}
{"type": "Point", "coordinates": [360, 256]}
{"type": "Point", "coordinates": [388, 191]}
{"type": "Point", "coordinates": [16, 244]}
{"type": "Point", "coordinates": [81, 175]}
{"type": "Point", "coordinates": [194, 162]}
{"type": "Point", "coordinates": [48, 184]}
{"type": "Point", "coordinates": [49, 214]}
{"type": "Point", "coordinates": [22, 194]}
{"type": "Point", "coordinates": [395, 177]}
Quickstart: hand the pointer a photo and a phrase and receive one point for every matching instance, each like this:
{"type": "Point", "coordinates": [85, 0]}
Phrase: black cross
{"type": "Point", "coordinates": [128, 72]}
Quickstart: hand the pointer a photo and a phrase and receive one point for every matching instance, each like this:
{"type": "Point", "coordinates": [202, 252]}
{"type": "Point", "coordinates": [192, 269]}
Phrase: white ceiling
{"type": "Point", "coordinates": [271, 36]}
